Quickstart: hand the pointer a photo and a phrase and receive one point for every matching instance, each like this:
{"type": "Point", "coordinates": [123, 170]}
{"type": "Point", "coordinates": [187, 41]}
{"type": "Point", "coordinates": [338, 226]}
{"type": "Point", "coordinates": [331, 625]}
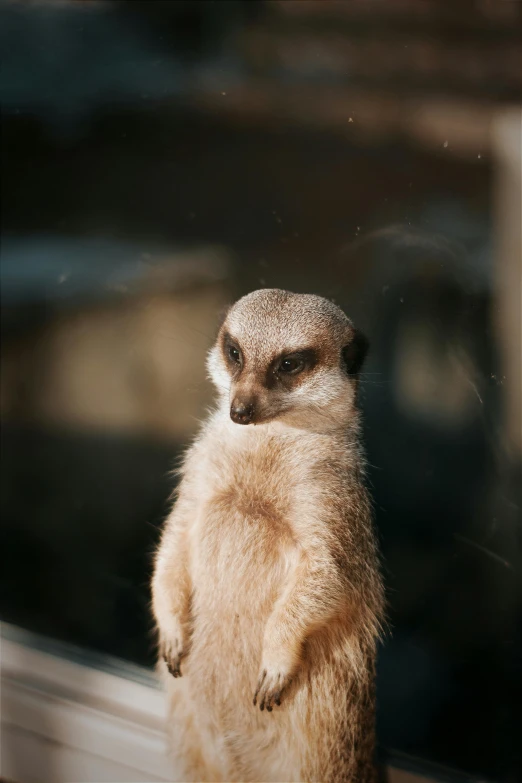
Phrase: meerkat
{"type": "Point", "coordinates": [266, 589]}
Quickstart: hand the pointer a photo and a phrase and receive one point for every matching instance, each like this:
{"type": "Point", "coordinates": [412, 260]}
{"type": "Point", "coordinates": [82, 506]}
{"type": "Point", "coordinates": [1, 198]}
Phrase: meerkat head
{"type": "Point", "coordinates": [288, 357]}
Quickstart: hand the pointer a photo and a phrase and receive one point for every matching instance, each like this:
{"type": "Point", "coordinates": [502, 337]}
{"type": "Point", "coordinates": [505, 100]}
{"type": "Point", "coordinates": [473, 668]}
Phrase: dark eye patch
{"type": "Point", "coordinates": [287, 366]}
{"type": "Point", "coordinates": [232, 352]}
{"type": "Point", "coordinates": [291, 365]}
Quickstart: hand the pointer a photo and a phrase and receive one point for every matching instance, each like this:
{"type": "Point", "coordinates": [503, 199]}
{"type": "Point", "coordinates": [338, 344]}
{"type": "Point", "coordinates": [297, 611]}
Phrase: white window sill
{"type": "Point", "coordinates": [71, 717]}
{"type": "Point", "coordinates": [63, 720]}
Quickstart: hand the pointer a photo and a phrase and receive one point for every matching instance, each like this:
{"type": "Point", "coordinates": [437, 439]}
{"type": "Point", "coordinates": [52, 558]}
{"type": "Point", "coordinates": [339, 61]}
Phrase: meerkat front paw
{"type": "Point", "coordinates": [271, 687]}
{"type": "Point", "coordinates": [172, 650]}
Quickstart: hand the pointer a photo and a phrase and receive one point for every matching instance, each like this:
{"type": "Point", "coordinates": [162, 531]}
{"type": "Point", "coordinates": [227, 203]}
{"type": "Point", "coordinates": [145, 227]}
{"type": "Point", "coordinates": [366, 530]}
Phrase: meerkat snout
{"type": "Point", "coordinates": [242, 412]}
{"type": "Point", "coordinates": [291, 357]}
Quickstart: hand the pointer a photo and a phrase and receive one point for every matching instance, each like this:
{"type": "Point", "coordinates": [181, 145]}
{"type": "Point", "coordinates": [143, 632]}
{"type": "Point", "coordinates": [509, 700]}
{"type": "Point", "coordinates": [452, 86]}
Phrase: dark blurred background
{"type": "Point", "coordinates": [160, 159]}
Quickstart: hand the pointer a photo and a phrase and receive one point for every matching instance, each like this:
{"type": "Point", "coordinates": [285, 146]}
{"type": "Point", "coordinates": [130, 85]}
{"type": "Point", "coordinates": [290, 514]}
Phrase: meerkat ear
{"type": "Point", "coordinates": [354, 353]}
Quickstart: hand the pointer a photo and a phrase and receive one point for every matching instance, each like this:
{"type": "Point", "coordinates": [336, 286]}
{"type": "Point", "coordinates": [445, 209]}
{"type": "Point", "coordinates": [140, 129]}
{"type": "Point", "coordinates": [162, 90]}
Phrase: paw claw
{"type": "Point", "coordinates": [270, 688]}
{"type": "Point", "coordinates": [173, 668]}
{"type": "Point", "coordinates": [172, 655]}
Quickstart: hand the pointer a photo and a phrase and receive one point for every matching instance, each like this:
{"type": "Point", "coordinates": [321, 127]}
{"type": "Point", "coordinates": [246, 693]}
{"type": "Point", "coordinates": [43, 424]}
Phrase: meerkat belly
{"type": "Point", "coordinates": [241, 554]}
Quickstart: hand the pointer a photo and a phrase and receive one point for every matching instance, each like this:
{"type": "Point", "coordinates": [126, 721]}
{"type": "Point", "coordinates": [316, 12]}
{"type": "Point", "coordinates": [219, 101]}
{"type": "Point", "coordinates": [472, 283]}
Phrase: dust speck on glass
{"type": "Point", "coordinates": [159, 160]}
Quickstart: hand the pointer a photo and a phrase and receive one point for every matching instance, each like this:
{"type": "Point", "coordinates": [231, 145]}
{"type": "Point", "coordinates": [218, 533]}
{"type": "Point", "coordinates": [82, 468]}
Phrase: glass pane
{"type": "Point", "coordinates": [159, 160]}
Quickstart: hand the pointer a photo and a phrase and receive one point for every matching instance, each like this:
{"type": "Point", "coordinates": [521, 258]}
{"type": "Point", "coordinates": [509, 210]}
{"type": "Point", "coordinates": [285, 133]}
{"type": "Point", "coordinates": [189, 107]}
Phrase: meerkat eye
{"type": "Point", "coordinates": [291, 365]}
{"type": "Point", "coordinates": [234, 354]}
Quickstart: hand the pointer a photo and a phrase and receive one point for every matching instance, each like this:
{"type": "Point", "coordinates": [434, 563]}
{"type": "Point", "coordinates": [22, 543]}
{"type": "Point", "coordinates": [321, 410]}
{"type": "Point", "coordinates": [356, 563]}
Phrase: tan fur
{"type": "Point", "coordinates": [266, 581]}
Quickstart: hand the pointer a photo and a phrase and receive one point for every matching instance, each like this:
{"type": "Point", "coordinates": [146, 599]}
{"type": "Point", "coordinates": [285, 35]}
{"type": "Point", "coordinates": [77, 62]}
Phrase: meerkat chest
{"type": "Point", "coordinates": [244, 526]}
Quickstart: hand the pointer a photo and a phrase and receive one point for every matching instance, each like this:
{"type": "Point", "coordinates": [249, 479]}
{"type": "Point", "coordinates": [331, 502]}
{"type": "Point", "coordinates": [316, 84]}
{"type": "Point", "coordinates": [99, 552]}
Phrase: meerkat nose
{"type": "Point", "coordinates": [241, 413]}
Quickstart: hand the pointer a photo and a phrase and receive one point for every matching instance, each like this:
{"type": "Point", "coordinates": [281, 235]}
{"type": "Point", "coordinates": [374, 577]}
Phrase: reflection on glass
{"type": "Point", "coordinates": [160, 162]}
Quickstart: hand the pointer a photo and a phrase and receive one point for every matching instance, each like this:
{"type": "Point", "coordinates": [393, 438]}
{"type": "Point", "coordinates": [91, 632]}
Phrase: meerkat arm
{"type": "Point", "coordinates": [312, 596]}
{"type": "Point", "coordinates": [171, 587]}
